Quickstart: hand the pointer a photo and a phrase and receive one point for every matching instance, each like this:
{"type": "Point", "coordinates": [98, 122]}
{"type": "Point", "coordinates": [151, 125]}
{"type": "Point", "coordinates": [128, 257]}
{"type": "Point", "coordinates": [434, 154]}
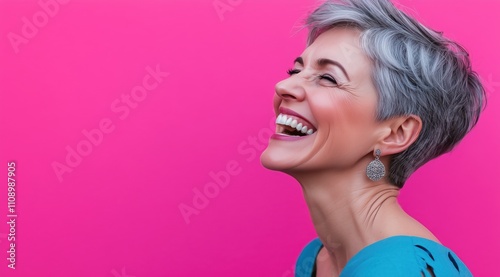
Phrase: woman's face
{"type": "Point", "coordinates": [330, 87]}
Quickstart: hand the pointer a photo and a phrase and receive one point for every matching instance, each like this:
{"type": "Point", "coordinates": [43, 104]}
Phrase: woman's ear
{"type": "Point", "coordinates": [401, 133]}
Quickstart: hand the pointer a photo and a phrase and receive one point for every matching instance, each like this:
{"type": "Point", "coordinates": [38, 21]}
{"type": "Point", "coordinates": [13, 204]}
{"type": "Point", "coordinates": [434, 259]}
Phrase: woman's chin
{"type": "Point", "coordinates": [275, 161]}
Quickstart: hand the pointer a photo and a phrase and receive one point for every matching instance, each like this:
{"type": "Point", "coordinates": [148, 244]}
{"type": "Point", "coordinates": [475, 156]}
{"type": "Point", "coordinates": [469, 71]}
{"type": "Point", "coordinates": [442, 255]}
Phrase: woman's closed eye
{"type": "Point", "coordinates": [292, 71]}
{"type": "Point", "coordinates": [326, 77]}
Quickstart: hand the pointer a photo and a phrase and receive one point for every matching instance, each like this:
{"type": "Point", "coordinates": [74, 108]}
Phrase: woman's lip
{"type": "Point", "coordinates": [279, 136]}
{"type": "Point", "coordinates": [284, 110]}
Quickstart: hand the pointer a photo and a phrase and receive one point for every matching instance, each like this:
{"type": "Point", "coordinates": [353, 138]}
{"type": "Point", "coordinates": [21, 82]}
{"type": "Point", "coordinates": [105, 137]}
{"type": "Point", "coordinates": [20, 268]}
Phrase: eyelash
{"type": "Point", "coordinates": [327, 77]}
{"type": "Point", "coordinates": [292, 71]}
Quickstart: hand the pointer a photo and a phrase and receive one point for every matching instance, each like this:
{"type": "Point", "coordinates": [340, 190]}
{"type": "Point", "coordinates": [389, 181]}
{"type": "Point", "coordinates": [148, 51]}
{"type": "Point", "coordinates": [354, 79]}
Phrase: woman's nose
{"type": "Point", "coordinates": [290, 89]}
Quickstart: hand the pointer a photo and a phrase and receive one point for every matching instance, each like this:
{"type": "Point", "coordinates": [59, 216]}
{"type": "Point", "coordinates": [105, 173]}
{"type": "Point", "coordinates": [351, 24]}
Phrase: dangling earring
{"type": "Point", "coordinates": [375, 169]}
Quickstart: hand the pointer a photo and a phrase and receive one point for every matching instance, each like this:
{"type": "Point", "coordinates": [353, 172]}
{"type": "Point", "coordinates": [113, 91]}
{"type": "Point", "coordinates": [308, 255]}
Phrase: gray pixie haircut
{"type": "Point", "coordinates": [417, 71]}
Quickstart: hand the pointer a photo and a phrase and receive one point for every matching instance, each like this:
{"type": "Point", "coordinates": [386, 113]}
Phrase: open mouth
{"type": "Point", "coordinates": [293, 126]}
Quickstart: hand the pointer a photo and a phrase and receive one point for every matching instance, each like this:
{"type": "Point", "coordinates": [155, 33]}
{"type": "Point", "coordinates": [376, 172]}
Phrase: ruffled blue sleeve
{"type": "Point", "coordinates": [406, 256]}
{"type": "Point", "coordinates": [395, 256]}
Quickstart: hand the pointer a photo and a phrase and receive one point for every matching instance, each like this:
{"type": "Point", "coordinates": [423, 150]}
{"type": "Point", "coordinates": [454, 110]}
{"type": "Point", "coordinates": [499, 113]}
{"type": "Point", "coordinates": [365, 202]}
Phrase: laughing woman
{"type": "Point", "coordinates": [373, 97]}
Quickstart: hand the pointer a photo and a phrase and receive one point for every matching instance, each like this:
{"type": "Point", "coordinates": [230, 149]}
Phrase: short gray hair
{"type": "Point", "coordinates": [416, 71]}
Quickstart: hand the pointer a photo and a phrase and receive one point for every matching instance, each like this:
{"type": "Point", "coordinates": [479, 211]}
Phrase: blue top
{"type": "Point", "coordinates": [395, 256]}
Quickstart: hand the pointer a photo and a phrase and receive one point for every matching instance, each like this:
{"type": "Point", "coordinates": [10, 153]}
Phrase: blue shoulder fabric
{"type": "Point", "coordinates": [395, 256]}
{"type": "Point", "coordinates": [304, 266]}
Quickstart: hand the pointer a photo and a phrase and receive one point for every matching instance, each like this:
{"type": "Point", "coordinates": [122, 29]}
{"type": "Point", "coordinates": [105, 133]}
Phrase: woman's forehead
{"type": "Point", "coordinates": [342, 46]}
{"type": "Point", "coordinates": [340, 43]}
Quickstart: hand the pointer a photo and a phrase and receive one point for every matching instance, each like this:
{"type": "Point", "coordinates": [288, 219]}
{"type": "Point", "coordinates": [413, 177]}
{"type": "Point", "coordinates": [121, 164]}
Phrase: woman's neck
{"type": "Point", "coordinates": [349, 212]}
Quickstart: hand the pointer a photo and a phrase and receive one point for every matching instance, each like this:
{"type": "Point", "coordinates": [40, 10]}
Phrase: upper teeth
{"type": "Point", "coordinates": [288, 120]}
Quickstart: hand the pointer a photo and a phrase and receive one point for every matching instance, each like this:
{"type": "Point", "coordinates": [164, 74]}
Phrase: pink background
{"type": "Point", "coordinates": [117, 213]}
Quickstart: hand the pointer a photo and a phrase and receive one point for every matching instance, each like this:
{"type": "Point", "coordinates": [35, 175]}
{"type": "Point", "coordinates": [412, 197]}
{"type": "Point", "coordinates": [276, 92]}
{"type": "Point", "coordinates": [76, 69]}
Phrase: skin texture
{"type": "Point", "coordinates": [348, 210]}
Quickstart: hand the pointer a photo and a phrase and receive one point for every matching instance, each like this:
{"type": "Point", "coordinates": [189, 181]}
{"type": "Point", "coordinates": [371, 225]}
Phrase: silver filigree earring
{"type": "Point", "coordinates": [375, 169]}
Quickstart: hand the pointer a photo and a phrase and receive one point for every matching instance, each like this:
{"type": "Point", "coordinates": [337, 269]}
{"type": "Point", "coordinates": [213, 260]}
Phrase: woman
{"type": "Point", "coordinates": [373, 97]}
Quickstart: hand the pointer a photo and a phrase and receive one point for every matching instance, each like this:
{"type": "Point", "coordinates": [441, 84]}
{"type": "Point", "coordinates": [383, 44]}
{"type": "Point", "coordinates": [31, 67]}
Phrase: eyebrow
{"type": "Point", "coordinates": [323, 62]}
